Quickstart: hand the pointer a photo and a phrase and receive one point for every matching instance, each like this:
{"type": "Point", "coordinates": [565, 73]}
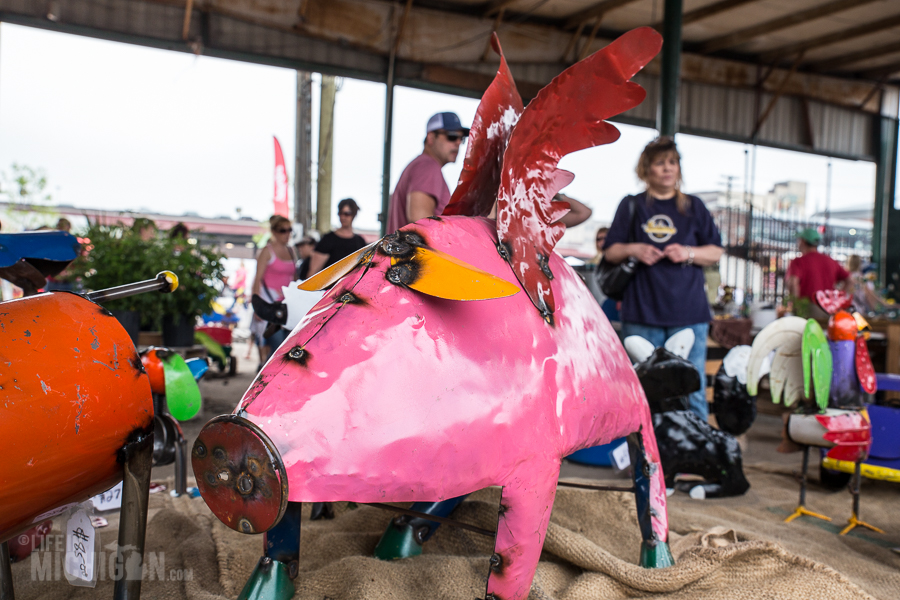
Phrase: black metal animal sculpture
{"type": "Point", "coordinates": [687, 444]}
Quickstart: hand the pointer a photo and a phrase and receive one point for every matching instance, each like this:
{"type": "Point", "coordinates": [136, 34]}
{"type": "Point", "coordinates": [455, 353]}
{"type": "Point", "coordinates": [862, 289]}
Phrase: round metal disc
{"type": "Point", "coordinates": [240, 474]}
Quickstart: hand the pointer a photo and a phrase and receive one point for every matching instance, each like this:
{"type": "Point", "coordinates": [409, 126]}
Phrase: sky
{"type": "Point", "coordinates": [123, 127]}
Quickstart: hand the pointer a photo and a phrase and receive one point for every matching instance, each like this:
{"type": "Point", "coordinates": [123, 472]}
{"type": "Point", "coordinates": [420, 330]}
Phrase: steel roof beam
{"type": "Point", "coordinates": [854, 57]}
{"type": "Point", "coordinates": [745, 35]}
{"type": "Point", "coordinates": [594, 12]}
{"type": "Point", "coordinates": [832, 38]}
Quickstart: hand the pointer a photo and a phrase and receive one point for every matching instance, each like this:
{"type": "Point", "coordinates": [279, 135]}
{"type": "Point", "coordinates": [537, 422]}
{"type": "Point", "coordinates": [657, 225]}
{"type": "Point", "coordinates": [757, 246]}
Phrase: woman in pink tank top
{"type": "Point", "coordinates": [275, 268]}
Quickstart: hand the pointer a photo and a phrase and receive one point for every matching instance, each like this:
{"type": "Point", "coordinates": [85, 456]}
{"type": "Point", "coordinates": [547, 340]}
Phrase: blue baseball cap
{"type": "Point", "coordinates": [446, 121]}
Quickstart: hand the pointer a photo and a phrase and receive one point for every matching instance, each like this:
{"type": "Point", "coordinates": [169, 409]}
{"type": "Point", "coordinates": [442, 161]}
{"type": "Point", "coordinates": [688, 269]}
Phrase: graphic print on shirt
{"type": "Point", "coordinates": [659, 228]}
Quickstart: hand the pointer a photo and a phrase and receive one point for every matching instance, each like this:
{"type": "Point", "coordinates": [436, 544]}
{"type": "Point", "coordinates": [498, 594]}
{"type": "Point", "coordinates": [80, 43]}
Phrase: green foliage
{"type": "Point", "coordinates": [24, 189]}
{"type": "Point", "coordinates": [24, 185]}
{"type": "Point", "coordinates": [116, 255]}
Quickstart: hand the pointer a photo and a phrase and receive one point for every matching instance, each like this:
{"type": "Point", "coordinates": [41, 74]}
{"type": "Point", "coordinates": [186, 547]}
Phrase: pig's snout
{"type": "Point", "coordinates": [240, 474]}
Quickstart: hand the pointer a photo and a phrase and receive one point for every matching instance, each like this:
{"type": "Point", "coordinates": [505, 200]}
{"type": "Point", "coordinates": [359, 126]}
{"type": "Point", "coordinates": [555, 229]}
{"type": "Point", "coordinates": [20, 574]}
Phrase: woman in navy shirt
{"type": "Point", "coordinates": [673, 236]}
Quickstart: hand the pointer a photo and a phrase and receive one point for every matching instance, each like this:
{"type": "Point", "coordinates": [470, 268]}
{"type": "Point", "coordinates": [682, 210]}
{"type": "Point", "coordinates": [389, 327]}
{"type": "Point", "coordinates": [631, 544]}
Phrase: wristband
{"type": "Point", "coordinates": [690, 258]}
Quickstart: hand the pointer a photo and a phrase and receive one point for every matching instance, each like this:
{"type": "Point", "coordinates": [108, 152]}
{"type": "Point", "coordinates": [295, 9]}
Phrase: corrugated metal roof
{"type": "Point", "coordinates": [737, 56]}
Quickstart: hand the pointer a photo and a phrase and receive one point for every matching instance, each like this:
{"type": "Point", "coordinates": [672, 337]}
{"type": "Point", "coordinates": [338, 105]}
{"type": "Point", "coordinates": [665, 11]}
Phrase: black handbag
{"type": "Point", "coordinates": [613, 279]}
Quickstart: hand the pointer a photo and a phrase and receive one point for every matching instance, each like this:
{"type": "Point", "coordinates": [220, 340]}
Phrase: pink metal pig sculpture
{"type": "Point", "coordinates": [392, 389]}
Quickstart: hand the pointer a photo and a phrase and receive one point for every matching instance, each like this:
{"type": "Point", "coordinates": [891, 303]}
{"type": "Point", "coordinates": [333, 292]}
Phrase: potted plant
{"type": "Point", "coordinates": [113, 255]}
{"type": "Point", "coordinates": [116, 255]}
{"type": "Point", "coordinates": [199, 270]}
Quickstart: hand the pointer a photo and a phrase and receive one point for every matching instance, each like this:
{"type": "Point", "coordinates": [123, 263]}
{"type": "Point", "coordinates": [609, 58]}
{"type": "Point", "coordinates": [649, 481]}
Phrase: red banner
{"type": "Point", "coordinates": [281, 183]}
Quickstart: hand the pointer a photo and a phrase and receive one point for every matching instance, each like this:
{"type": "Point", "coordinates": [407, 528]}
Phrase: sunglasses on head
{"type": "Point", "coordinates": [288, 230]}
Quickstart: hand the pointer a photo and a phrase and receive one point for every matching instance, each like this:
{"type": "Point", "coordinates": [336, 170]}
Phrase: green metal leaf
{"type": "Point", "coordinates": [817, 363]}
{"type": "Point", "coordinates": [182, 391]}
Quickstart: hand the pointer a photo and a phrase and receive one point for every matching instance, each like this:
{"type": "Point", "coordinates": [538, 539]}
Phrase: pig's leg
{"type": "Point", "coordinates": [650, 498]}
{"type": "Point", "coordinates": [271, 579]}
{"type": "Point", "coordinates": [525, 506]}
{"type": "Point", "coordinates": [405, 535]}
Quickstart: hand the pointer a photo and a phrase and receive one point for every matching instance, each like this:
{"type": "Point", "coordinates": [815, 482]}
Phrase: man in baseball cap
{"type": "Point", "coordinates": [813, 271]}
{"type": "Point", "coordinates": [421, 190]}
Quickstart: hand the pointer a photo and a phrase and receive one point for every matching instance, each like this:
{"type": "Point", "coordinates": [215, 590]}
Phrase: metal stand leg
{"type": "Point", "coordinates": [271, 579]}
{"type": "Point", "coordinates": [405, 535]}
{"type": "Point", "coordinates": [655, 553]}
{"type": "Point", "coordinates": [6, 580]}
{"type": "Point", "coordinates": [854, 521]}
{"type": "Point", "coordinates": [133, 518]}
{"type": "Point", "coordinates": [801, 509]}
{"type": "Point", "coordinates": [180, 465]}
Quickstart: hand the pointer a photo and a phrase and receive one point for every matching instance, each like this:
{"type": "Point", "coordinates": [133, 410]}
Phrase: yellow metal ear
{"type": "Point", "coordinates": [443, 276]}
{"type": "Point", "coordinates": [328, 277]}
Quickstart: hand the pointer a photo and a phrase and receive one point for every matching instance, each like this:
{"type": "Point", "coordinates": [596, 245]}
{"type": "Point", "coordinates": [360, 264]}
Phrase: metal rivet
{"type": "Point", "coordinates": [346, 298]}
{"type": "Point", "coordinates": [223, 475]}
{"type": "Point", "coordinates": [253, 466]}
{"type": "Point", "coordinates": [296, 353]}
{"type": "Point", "coordinates": [421, 533]}
{"type": "Point", "coordinates": [199, 450]}
{"type": "Point", "coordinates": [400, 274]}
{"type": "Point", "coordinates": [245, 484]}
{"type": "Point", "coordinates": [496, 562]}
{"type": "Point", "coordinates": [219, 454]}
{"type": "Point", "coordinates": [293, 569]}
{"type": "Point", "coordinates": [210, 478]}
{"type": "Point", "coordinates": [503, 251]}
{"type": "Point", "coordinates": [245, 526]}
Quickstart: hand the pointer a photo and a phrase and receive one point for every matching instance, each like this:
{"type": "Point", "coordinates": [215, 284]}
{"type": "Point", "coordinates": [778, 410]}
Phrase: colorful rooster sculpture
{"type": "Point", "coordinates": [424, 375]}
{"type": "Point", "coordinates": [828, 374]}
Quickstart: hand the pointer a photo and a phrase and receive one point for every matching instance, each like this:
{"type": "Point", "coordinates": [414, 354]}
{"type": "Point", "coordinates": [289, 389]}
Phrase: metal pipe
{"type": "Point", "coordinates": [165, 282]}
{"type": "Point", "coordinates": [670, 77]}
{"type": "Point", "coordinates": [443, 520]}
{"type": "Point", "coordinates": [6, 581]}
{"type": "Point", "coordinates": [138, 462]}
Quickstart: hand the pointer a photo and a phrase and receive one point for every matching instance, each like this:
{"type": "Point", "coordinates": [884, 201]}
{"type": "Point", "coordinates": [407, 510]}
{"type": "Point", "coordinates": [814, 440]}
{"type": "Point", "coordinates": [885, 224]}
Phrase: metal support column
{"type": "Point", "coordinates": [303, 153]}
{"type": "Point", "coordinates": [386, 156]}
{"type": "Point", "coordinates": [887, 218]}
{"type": "Point", "coordinates": [670, 76]}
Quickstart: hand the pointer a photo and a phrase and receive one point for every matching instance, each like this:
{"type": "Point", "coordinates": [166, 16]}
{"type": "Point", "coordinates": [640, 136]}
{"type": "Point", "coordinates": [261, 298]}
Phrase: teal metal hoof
{"type": "Point", "coordinates": [270, 580]}
{"type": "Point", "coordinates": [657, 556]}
{"type": "Point", "coordinates": [397, 543]}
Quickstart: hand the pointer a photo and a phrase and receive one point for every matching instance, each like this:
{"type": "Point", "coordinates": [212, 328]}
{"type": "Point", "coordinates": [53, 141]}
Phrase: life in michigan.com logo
{"type": "Point", "coordinates": [48, 564]}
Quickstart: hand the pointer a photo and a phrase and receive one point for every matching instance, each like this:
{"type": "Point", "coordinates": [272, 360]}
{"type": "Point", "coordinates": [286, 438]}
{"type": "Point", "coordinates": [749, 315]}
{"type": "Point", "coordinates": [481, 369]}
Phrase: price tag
{"type": "Point", "coordinates": [111, 499]}
{"type": "Point", "coordinates": [80, 554]}
{"type": "Point", "coordinates": [620, 456]}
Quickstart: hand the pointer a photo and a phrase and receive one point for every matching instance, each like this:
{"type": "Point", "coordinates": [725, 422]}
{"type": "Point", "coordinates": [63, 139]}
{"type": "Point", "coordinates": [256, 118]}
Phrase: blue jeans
{"type": "Point", "coordinates": [277, 339]}
{"type": "Point", "coordinates": [658, 336]}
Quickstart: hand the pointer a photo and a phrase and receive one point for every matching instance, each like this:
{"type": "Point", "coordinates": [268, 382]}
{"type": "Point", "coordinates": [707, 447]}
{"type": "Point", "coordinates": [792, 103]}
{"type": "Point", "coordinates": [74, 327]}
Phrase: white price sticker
{"type": "Point", "coordinates": [621, 457]}
{"type": "Point", "coordinates": [111, 499]}
{"type": "Point", "coordinates": [80, 549]}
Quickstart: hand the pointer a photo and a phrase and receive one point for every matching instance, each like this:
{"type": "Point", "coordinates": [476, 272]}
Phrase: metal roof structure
{"type": "Point", "coordinates": [819, 76]}
{"type": "Point", "coordinates": [804, 75]}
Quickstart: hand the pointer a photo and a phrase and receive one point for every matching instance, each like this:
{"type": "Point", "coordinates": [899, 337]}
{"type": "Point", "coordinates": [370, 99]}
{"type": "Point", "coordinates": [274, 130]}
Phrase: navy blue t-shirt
{"type": "Point", "coordinates": [667, 294]}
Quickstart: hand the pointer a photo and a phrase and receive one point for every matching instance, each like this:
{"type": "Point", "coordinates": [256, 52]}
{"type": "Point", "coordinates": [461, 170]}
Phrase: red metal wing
{"type": "Point", "coordinates": [497, 114]}
{"type": "Point", "coordinates": [864, 369]}
{"type": "Point", "coordinates": [566, 116]}
{"type": "Point", "coordinates": [850, 433]}
{"type": "Point", "coordinates": [832, 301]}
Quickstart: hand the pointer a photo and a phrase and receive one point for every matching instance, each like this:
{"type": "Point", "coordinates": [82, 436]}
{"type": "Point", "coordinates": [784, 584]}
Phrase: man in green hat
{"type": "Point", "coordinates": [813, 271]}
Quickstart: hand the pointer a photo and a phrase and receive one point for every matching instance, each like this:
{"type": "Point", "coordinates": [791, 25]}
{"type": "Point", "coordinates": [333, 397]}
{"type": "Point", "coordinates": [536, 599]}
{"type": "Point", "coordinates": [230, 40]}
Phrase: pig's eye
{"type": "Point", "coordinates": [440, 275]}
{"type": "Point", "coordinates": [328, 277]}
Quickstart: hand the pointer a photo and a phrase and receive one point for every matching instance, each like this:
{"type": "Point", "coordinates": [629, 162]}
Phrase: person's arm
{"type": "Point", "coordinates": [420, 205]}
{"type": "Point", "coordinates": [703, 256]}
{"type": "Point", "coordinates": [646, 253]}
{"type": "Point", "coordinates": [578, 212]}
{"type": "Point", "coordinates": [317, 262]}
{"type": "Point", "coordinates": [262, 263]}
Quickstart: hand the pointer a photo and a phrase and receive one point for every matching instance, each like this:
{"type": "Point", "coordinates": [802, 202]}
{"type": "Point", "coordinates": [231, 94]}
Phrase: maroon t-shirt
{"type": "Point", "coordinates": [816, 272]}
{"type": "Point", "coordinates": [423, 174]}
